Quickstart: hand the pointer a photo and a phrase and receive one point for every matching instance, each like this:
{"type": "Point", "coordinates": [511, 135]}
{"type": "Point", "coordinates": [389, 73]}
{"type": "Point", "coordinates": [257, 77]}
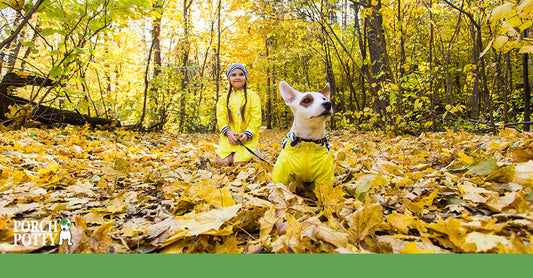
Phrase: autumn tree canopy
{"type": "Point", "coordinates": [402, 65]}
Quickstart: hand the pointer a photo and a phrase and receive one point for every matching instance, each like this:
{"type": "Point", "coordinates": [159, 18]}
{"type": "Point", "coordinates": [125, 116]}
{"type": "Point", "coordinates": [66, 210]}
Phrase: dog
{"type": "Point", "coordinates": [65, 233]}
{"type": "Point", "coordinates": [305, 156]}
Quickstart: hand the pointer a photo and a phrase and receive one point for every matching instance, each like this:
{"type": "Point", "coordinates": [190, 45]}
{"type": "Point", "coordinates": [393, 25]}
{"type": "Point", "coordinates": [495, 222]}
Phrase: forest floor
{"type": "Point", "coordinates": [127, 192]}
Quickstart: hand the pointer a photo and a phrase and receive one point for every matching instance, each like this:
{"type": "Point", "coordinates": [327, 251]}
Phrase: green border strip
{"type": "Point", "coordinates": [265, 265]}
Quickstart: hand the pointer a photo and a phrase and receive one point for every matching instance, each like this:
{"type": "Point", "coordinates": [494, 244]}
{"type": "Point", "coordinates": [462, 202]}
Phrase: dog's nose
{"type": "Point", "coordinates": [327, 105]}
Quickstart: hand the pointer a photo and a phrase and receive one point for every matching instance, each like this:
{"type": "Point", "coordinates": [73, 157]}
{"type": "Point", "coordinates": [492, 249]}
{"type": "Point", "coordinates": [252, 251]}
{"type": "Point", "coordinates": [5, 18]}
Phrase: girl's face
{"type": "Point", "coordinates": [237, 79]}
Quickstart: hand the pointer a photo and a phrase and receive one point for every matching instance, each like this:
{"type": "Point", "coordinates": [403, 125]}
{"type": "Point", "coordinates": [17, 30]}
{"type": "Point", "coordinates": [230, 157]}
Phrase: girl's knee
{"type": "Point", "coordinates": [222, 162]}
{"type": "Point", "coordinates": [226, 161]}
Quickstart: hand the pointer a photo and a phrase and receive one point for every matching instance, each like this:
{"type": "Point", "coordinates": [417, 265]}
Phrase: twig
{"type": "Point", "coordinates": [243, 230]}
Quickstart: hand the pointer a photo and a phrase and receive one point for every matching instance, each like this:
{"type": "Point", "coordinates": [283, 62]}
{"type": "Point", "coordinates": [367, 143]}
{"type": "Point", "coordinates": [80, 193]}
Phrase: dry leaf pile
{"type": "Point", "coordinates": [128, 192]}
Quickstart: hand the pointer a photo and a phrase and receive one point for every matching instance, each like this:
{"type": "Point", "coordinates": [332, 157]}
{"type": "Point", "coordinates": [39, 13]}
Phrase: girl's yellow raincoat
{"type": "Point", "coordinates": [304, 162]}
{"type": "Point", "coordinates": [251, 124]}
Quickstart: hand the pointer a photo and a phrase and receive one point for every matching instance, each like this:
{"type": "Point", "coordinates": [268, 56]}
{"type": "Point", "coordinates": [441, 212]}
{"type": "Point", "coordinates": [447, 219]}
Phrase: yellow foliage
{"type": "Point", "coordinates": [439, 192]}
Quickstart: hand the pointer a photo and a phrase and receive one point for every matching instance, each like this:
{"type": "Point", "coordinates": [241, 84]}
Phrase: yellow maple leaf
{"type": "Point", "coordinates": [176, 247]}
{"type": "Point", "coordinates": [335, 238]}
{"type": "Point", "coordinates": [412, 248]}
{"type": "Point", "coordinates": [327, 194]}
{"type": "Point", "coordinates": [451, 228]}
{"type": "Point", "coordinates": [209, 222]}
{"type": "Point", "coordinates": [5, 232]}
{"type": "Point", "coordinates": [229, 246]}
{"type": "Point", "coordinates": [480, 242]}
{"type": "Point", "coordinates": [465, 159]}
{"type": "Point", "coordinates": [122, 165]}
{"type": "Point", "coordinates": [116, 209]}
{"type": "Point", "coordinates": [47, 171]}
{"type": "Point", "coordinates": [524, 173]}
{"type": "Point", "coordinates": [290, 241]}
{"type": "Point", "coordinates": [401, 221]}
{"type": "Point", "coordinates": [266, 224]}
{"type": "Point", "coordinates": [218, 197]}
{"type": "Point", "coordinates": [20, 176]}
{"type": "Point", "coordinates": [365, 220]}
{"type": "Point", "coordinates": [517, 246]}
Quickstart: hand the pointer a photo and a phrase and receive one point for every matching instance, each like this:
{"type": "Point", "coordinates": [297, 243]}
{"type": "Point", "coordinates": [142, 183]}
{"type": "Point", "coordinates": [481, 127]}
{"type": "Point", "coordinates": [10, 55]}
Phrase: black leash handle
{"type": "Point", "coordinates": [252, 152]}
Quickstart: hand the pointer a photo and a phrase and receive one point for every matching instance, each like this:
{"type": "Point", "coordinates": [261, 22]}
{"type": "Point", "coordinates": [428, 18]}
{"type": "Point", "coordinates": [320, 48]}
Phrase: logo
{"type": "Point", "coordinates": [65, 233]}
{"type": "Point", "coordinates": [42, 233]}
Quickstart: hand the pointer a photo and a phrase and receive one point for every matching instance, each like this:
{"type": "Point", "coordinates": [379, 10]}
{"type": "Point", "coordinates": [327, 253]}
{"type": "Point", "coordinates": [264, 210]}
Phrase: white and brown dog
{"type": "Point", "coordinates": [305, 156]}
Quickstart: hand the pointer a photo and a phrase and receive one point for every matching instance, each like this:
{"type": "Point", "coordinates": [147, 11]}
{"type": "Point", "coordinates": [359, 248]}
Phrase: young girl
{"type": "Point", "coordinates": [238, 118]}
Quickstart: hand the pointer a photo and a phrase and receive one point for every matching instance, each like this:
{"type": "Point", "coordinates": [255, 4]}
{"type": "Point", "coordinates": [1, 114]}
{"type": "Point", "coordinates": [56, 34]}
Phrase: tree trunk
{"type": "Point", "coordinates": [487, 101]}
{"type": "Point", "coordinates": [507, 88]}
{"type": "Point", "coordinates": [184, 62]}
{"type": "Point", "coordinates": [217, 68]}
{"type": "Point", "coordinates": [399, 95]}
{"type": "Point", "coordinates": [43, 114]}
{"type": "Point", "coordinates": [475, 90]}
{"type": "Point", "coordinates": [377, 51]}
{"type": "Point", "coordinates": [449, 85]}
{"type": "Point", "coordinates": [160, 106]}
{"type": "Point", "coordinates": [362, 47]}
{"type": "Point", "coordinates": [12, 58]}
{"type": "Point", "coordinates": [146, 85]}
{"type": "Point", "coordinates": [269, 90]}
{"type": "Point", "coordinates": [431, 85]}
{"type": "Point", "coordinates": [327, 60]}
{"type": "Point", "coordinates": [527, 89]}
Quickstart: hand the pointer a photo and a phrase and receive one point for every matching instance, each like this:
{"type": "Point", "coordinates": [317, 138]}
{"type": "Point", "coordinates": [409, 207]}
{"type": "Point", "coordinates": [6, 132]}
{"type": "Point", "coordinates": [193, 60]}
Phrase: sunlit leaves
{"type": "Point", "coordinates": [510, 20]}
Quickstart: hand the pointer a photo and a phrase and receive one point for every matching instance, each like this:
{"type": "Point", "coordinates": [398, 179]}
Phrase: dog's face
{"type": "Point", "coordinates": [65, 224]}
{"type": "Point", "coordinates": [308, 106]}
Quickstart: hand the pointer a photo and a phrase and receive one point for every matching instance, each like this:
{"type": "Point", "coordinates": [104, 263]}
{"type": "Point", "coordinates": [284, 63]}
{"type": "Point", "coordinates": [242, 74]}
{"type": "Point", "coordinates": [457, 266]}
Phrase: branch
{"type": "Point", "coordinates": [361, 4]}
{"type": "Point", "coordinates": [469, 15]}
{"type": "Point", "coordinates": [19, 28]}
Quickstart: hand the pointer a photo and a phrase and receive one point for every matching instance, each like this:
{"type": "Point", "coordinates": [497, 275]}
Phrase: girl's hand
{"type": "Point", "coordinates": [243, 137]}
{"type": "Point", "coordinates": [232, 137]}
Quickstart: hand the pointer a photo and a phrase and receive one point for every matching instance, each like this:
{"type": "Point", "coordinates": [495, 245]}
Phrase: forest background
{"type": "Point", "coordinates": [405, 66]}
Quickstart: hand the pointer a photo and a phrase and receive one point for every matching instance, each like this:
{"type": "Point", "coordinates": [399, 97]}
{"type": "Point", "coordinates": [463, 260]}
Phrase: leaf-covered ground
{"type": "Point", "coordinates": [128, 192]}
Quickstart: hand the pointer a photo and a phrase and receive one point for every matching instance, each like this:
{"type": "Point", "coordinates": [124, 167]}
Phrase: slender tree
{"type": "Point", "coordinates": [184, 72]}
{"type": "Point", "coordinates": [527, 89]}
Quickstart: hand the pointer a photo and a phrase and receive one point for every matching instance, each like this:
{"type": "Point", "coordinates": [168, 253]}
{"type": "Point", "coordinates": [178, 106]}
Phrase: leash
{"type": "Point", "coordinates": [252, 152]}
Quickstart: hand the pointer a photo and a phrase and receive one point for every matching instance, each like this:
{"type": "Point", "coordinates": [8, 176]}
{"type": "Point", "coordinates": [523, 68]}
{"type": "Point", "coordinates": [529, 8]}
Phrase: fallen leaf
{"type": "Point", "coordinates": [412, 248]}
{"type": "Point", "coordinates": [480, 242]}
{"type": "Point", "coordinates": [365, 220]}
{"type": "Point", "coordinates": [204, 223]}
{"type": "Point", "coordinates": [229, 246]}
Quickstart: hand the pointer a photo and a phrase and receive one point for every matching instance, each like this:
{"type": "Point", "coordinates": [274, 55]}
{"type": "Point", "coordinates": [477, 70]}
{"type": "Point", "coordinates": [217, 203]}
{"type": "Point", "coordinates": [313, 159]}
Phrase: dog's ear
{"type": "Point", "coordinates": [287, 92]}
{"type": "Point", "coordinates": [325, 91]}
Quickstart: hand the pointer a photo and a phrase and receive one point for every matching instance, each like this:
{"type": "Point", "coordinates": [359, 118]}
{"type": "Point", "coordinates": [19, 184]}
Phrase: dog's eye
{"type": "Point", "coordinates": [306, 100]}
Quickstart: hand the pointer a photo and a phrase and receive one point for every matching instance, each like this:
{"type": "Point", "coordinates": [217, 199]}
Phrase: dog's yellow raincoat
{"type": "Point", "coordinates": [252, 116]}
{"type": "Point", "coordinates": [305, 162]}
